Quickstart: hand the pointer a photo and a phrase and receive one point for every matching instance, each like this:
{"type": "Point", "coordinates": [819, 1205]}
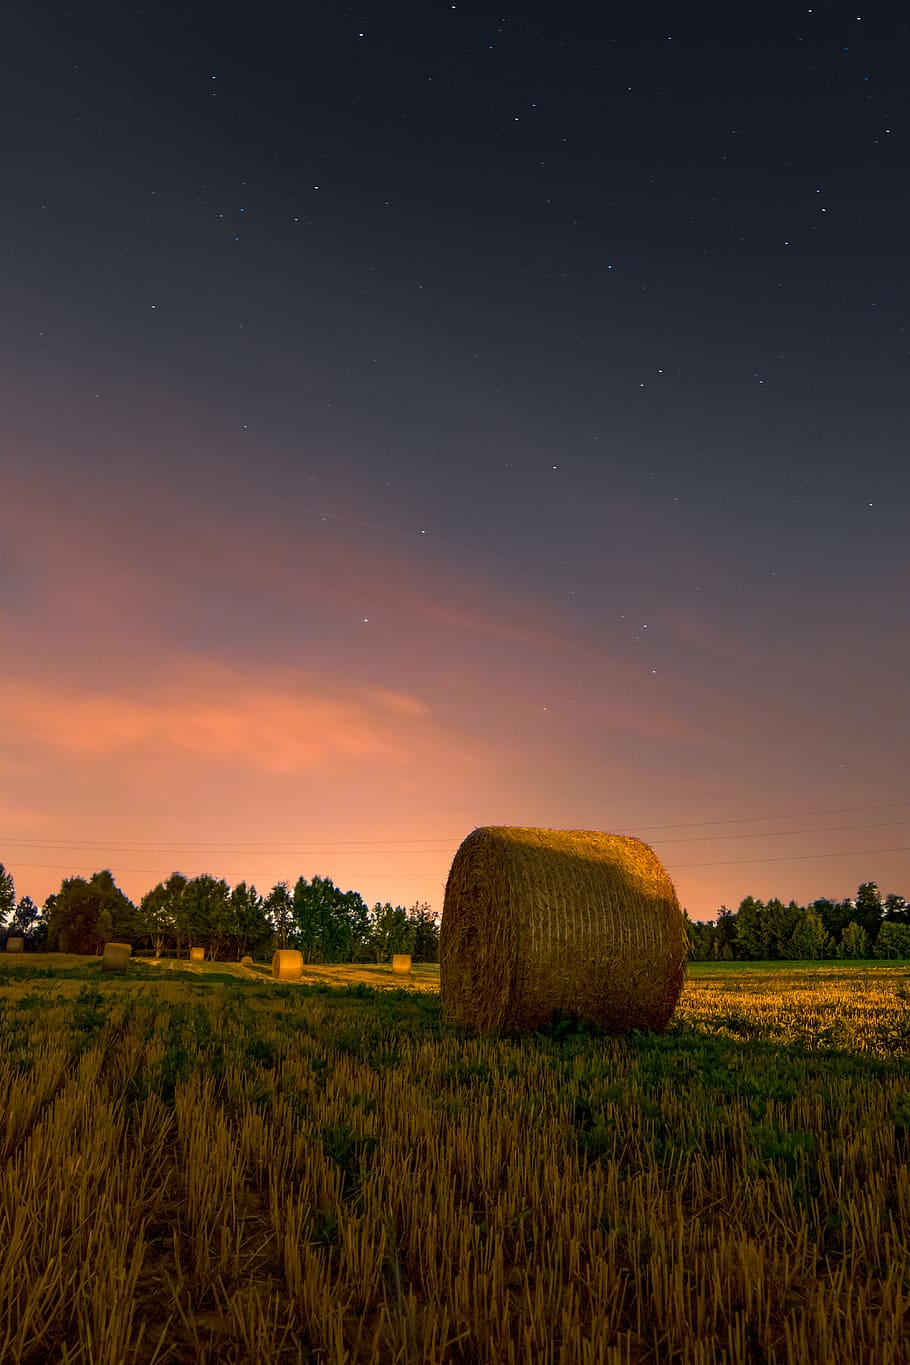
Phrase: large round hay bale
{"type": "Point", "coordinates": [197, 955]}
{"type": "Point", "coordinates": [401, 963]}
{"type": "Point", "coordinates": [544, 922]}
{"type": "Point", "coordinates": [115, 957]}
{"type": "Point", "coordinates": [246, 960]}
{"type": "Point", "coordinates": [15, 945]}
{"type": "Point", "coordinates": [287, 964]}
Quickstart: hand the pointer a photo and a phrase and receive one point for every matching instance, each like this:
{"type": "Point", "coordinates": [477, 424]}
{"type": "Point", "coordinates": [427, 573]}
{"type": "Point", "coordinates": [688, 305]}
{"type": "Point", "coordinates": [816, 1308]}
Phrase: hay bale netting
{"type": "Point", "coordinates": [15, 945]}
{"type": "Point", "coordinates": [197, 955]}
{"type": "Point", "coordinates": [541, 922]}
{"type": "Point", "coordinates": [401, 963]}
{"type": "Point", "coordinates": [287, 964]}
{"type": "Point", "coordinates": [115, 957]}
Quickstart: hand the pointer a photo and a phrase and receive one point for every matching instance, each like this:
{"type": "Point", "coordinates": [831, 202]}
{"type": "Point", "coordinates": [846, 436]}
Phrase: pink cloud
{"type": "Point", "coordinates": [271, 725]}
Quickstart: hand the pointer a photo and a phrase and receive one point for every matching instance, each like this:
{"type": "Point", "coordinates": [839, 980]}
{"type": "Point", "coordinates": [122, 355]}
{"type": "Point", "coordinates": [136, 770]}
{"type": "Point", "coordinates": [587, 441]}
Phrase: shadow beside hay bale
{"type": "Point", "coordinates": [539, 923]}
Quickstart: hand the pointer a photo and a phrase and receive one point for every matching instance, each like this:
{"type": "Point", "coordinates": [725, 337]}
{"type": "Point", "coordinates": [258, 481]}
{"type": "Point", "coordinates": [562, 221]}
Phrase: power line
{"type": "Point", "coordinates": [443, 844]}
{"type": "Point", "coordinates": [246, 874]}
{"type": "Point", "coordinates": [792, 858]}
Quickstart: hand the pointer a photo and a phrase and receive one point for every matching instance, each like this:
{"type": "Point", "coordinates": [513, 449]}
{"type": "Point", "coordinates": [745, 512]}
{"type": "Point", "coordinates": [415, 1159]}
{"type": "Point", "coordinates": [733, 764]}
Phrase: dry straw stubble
{"type": "Point", "coordinates": [541, 922]}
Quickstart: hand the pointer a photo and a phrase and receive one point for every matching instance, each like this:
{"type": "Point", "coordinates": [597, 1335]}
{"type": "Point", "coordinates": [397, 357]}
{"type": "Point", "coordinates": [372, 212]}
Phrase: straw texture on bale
{"type": "Point", "coordinates": [401, 963]}
{"type": "Point", "coordinates": [197, 955]}
{"type": "Point", "coordinates": [287, 964]}
{"type": "Point", "coordinates": [115, 957]}
{"type": "Point", "coordinates": [15, 945]}
{"type": "Point", "coordinates": [543, 922]}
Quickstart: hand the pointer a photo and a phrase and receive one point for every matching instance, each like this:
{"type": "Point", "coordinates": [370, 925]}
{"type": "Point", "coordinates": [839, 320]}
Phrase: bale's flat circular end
{"type": "Point", "coordinates": [538, 922]}
{"type": "Point", "coordinates": [287, 964]}
{"type": "Point", "coordinates": [115, 957]}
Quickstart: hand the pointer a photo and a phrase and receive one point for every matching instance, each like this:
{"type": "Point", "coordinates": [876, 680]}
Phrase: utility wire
{"type": "Point", "coordinates": [352, 846]}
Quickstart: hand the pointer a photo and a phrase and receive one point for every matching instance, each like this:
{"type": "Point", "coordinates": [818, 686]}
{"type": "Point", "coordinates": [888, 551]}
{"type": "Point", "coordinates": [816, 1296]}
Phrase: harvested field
{"type": "Point", "coordinates": [207, 1165]}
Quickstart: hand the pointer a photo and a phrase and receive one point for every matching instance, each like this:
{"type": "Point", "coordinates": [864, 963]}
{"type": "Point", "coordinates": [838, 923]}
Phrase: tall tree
{"type": "Point", "coordinates": [84, 915]}
{"type": "Point", "coordinates": [205, 906]}
{"type": "Point", "coordinates": [896, 909]}
{"type": "Point", "coordinates": [330, 925]}
{"type": "Point", "coordinates": [279, 909]}
{"type": "Point", "coordinates": [867, 909]}
{"type": "Point", "coordinates": [893, 939]}
{"type": "Point", "coordinates": [781, 921]}
{"type": "Point", "coordinates": [253, 930]}
{"type": "Point", "coordinates": [835, 915]}
{"type": "Point", "coordinates": [854, 941]}
{"type": "Point", "coordinates": [752, 930]}
{"type": "Point", "coordinates": [810, 939]}
{"type": "Point", "coordinates": [159, 910]}
{"type": "Point", "coordinates": [390, 931]}
{"type": "Point", "coordinates": [725, 933]}
{"type": "Point", "coordinates": [7, 895]}
{"type": "Point", "coordinates": [425, 926]}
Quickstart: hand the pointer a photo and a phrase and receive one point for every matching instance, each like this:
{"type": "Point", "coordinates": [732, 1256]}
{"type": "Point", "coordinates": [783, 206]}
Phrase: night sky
{"type": "Point", "coordinates": [421, 416]}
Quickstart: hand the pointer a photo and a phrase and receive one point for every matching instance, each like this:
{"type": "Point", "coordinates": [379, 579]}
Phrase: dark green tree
{"type": "Point", "coordinates": [854, 941]}
{"type": "Point", "coordinates": [279, 909]}
{"type": "Point", "coordinates": [159, 910]}
{"type": "Point", "coordinates": [389, 932]}
{"type": "Point", "coordinates": [700, 936]}
{"type": "Point", "coordinates": [896, 909]}
{"type": "Point", "coordinates": [810, 939]}
{"type": "Point", "coordinates": [867, 909]}
{"type": "Point", "coordinates": [835, 916]}
{"type": "Point", "coordinates": [893, 940]}
{"type": "Point", "coordinates": [752, 930]}
{"type": "Point", "coordinates": [84, 915]}
{"type": "Point", "coordinates": [725, 933]}
{"type": "Point", "coordinates": [330, 925]}
{"type": "Point", "coordinates": [781, 921]}
{"type": "Point", "coordinates": [425, 926]}
{"type": "Point", "coordinates": [7, 896]}
{"type": "Point", "coordinates": [205, 908]}
{"type": "Point", "coordinates": [252, 928]}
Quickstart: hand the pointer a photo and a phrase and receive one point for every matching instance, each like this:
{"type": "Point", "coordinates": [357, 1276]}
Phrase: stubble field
{"type": "Point", "coordinates": [208, 1166]}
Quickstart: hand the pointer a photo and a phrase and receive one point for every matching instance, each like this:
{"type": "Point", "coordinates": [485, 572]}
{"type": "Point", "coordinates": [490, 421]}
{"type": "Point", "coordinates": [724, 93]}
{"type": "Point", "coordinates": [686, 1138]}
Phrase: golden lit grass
{"type": "Point", "coordinates": [243, 1171]}
{"type": "Point", "coordinates": [864, 1010]}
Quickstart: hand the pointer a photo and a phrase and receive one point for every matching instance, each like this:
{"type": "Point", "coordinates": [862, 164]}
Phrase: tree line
{"type": "Point", "coordinates": [864, 925]}
{"type": "Point", "coordinates": [331, 925]}
{"type": "Point", "coordinates": [324, 922]}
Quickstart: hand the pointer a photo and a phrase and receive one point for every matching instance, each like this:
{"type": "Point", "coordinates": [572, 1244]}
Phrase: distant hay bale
{"type": "Point", "coordinates": [401, 963]}
{"type": "Point", "coordinates": [197, 955]}
{"type": "Point", "coordinates": [287, 964]}
{"type": "Point", "coordinates": [15, 945]}
{"type": "Point", "coordinates": [115, 957]}
{"type": "Point", "coordinates": [543, 922]}
{"type": "Point", "coordinates": [246, 961]}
